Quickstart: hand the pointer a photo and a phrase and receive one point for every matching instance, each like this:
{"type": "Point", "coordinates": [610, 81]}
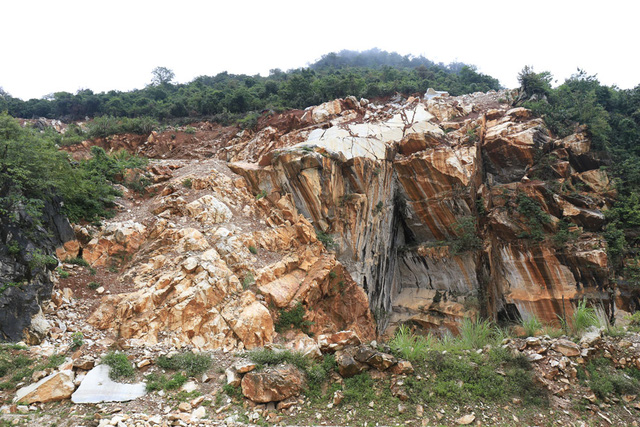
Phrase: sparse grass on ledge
{"type": "Point", "coordinates": [190, 363]}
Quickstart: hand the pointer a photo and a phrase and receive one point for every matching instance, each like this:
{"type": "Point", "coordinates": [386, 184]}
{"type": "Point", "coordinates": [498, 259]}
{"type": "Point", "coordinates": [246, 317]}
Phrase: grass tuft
{"type": "Point", "coordinates": [190, 363]}
{"type": "Point", "coordinates": [120, 365]}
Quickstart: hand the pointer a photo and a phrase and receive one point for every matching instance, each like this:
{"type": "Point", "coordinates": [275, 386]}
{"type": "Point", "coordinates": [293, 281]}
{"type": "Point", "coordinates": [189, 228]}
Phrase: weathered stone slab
{"type": "Point", "coordinates": [98, 387]}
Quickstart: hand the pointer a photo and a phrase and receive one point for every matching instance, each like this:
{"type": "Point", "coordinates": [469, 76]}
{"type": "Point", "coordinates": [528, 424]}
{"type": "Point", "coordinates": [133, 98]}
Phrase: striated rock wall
{"type": "Point", "coordinates": [448, 207]}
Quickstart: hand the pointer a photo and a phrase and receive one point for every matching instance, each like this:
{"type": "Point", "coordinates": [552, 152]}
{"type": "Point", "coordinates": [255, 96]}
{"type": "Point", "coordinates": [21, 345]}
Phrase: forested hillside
{"type": "Point", "coordinates": [227, 97]}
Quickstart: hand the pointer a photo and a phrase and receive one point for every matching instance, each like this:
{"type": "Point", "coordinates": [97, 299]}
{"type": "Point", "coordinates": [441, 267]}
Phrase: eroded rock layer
{"type": "Point", "coordinates": [447, 207]}
{"type": "Point", "coordinates": [212, 266]}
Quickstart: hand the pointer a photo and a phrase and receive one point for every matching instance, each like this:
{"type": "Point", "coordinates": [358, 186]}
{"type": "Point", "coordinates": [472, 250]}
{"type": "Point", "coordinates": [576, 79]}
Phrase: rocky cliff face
{"type": "Point", "coordinates": [210, 265]}
{"type": "Point", "coordinates": [25, 265]}
{"type": "Point", "coordinates": [447, 207]}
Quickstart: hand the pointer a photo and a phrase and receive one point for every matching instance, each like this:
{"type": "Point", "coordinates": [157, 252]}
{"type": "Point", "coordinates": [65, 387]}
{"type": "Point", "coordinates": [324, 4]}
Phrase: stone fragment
{"type": "Point", "coordinates": [98, 387]}
{"type": "Point", "coordinates": [338, 397]}
{"type": "Point", "coordinates": [566, 347]}
{"type": "Point", "coordinates": [57, 386]}
{"type": "Point", "coordinates": [348, 366]}
{"type": "Point", "coordinates": [403, 367]}
{"type": "Point", "coordinates": [199, 413]}
{"type": "Point", "coordinates": [287, 403]}
{"type": "Point", "coordinates": [337, 341]}
{"type": "Point", "coordinates": [244, 366]}
{"type": "Point", "coordinates": [306, 345]}
{"type": "Point", "coordinates": [466, 419]}
{"type": "Point", "coordinates": [272, 384]}
{"type": "Point", "coordinates": [233, 378]}
{"type": "Point", "coordinates": [84, 363]}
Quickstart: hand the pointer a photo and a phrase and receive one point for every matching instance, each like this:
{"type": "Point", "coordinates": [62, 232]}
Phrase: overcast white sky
{"type": "Point", "coordinates": [50, 46]}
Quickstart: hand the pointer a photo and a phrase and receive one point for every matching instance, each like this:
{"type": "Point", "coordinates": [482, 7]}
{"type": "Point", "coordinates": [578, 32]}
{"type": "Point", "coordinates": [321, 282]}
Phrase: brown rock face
{"type": "Point", "coordinates": [273, 384]}
{"type": "Point", "coordinates": [209, 263]}
{"type": "Point", "coordinates": [462, 208]}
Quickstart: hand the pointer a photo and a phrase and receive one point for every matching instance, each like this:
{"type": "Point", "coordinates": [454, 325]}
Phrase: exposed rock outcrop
{"type": "Point", "coordinates": [27, 247]}
{"type": "Point", "coordinates": [208, 271]}
{"type": "Point", "coordinates": [446, 207]}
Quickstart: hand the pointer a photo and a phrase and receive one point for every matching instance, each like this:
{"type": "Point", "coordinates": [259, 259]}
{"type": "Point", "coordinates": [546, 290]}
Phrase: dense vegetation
{"type": "Point", "coordinates": [226, 96]}
{"type": "Point", "coordinates": [612, 119]}
{"type": "Point", "coordinates": [33, 170]}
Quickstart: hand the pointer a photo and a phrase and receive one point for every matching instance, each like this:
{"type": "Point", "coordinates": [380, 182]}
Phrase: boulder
{"type": "Point", "coordinates": [380, 361]}
{"type": "Point", "coordinates": [272, 384]}
{"type": "Point", "coordinates": [348, 366]}
{"type": "Point", "coordinates": [57, 386]}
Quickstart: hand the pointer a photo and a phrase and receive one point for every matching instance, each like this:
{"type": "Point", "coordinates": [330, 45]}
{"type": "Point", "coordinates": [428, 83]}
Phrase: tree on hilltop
{"type": "Point", "coordinates": [162, 76]}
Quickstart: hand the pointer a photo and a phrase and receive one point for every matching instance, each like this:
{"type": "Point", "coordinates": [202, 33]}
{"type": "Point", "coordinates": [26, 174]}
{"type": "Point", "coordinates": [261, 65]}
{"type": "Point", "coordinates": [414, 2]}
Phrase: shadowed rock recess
{"type": "Point", "coordinates": [446, 207]}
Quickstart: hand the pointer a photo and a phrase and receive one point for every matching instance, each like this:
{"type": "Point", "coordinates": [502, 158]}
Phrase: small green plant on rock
{"type": "Point", "coordinates": [120, 365]}
{"type": "Point", "coordinates": [93, 285]}
{"type": "Point", "coordinates": [248, 280]}
{"type": "Point", "coordinates": [62, 273]}
{"type": "Point", "coordinates": [293, 318]}
{"type": "Point", "coordinates": [77, 340]}
{"type": "Point", "coordinates": [325, 239]}
{"type": "Point", "coordinates": [13, 247]}
{"type": "Point", "coordinates": [186, 183]}
{"type": "Point", "coordinates": [253, 249]}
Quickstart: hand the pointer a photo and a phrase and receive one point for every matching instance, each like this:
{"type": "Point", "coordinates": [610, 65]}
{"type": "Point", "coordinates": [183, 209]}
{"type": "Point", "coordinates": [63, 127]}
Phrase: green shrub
{"type": "Point", "coordinates": [63, 274]}
{"type": "Point", "coordinates": [292, 318]}
{"type": "Point", "coordinates": [261, 194]}
{"type": "Point", "coordinates": [190, 130]}
{"type": "Point", "coordinates": [232, 392]}
{"type": "Point", "coordinates": [120, 365]}
{"type": "Point", "coordinates": [13, 247]}
{"type": "Point", "coordinates": [190, 363]}
{"type": "Point", "coordinates": [325, 239]}
{"type": "Point", "coordinates": [77, 340]}
{"type": "Point", "coordinates": [104, 126]}
{"type": "Point", "coordinates": [162, 382]}
{"type": "Point", "coordinates": [40, 260]}
{"type": "Point", "coordinates": [359, 388]}
{"type": "Point", "coordinates": [93, 285]}
{"type": "Point", "coordinates": [21, 367]}
{"type": "Point", "coordinates": [534, 216]}
{"type": "Point", "coordinates": [186, 183]}
{"type": "Point", "coordinates": [77, 261]}
{"type": "Point", "coordinates": [253, 249]}
{"type": "Point", "coordinates": [466, 236]}
{"type": "Point", "coordinates": [605, 380]}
